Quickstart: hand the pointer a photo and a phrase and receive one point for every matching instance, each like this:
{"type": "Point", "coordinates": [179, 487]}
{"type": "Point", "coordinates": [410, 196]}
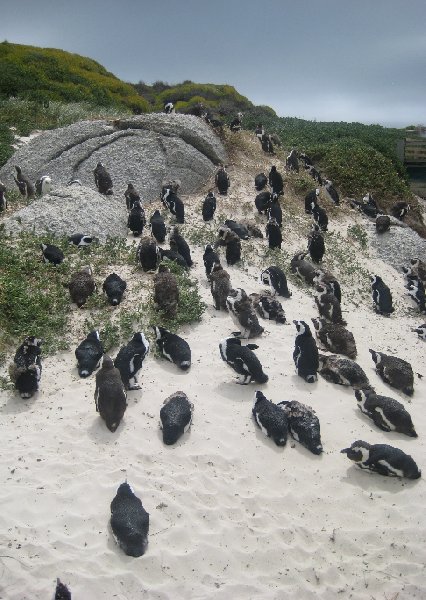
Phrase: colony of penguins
{"type": "Point", "coordinates": [248, 311]}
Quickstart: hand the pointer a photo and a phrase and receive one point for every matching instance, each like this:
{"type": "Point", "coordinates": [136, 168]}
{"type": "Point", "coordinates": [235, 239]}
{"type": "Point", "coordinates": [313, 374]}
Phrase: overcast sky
{"type": "Point", "coordinates": [329, 60]}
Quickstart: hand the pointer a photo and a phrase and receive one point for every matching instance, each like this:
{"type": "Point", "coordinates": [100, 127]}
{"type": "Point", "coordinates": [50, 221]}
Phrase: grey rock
{"type": "Point", "coordinates": [398, 245]}
{"type": "Point", "coordinates": [143, 149]}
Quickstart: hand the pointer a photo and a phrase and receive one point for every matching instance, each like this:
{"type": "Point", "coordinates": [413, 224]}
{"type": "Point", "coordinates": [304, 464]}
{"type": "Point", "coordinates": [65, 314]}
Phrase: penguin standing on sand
{"type": "Point", "coordinates": [210, 259]}
{"type": "Point", "coordinates": [274, 211]}
{"type": "Point", "coordinates": [3, 199]}
{"type": "Point", "coordinates": [342, 371]}
{"type": "Point", "coordinates": [270, 419]}
{"type": "Point", "coordinates": [382, 459]}
{"type": "Point", "coordinates": [232, 242]}
{"type": "Point", "coordinates": [181, 245]}
{"type": "Point", "coordinates": [52, 254]}
{"type": "Point", "coordinates": [89, 353]}
{"type": "Point", "coordinates": [330, 282]}
{"type": "Point", "coordinates": [260, 181]}
{"type": "Point", "coordinates": [175, 417]}
{"type": "Point", "coordinates": [131, 196]}
{"type": "Point", "coordinates": [130, 358]}
{"type": "Point", "coordinates": [328, 305]}
{"type": "Point", "coordinates": [166, 292]}
{"type": "Point", "coordinates": [171, 200]}
{"type": "Point", "coordinates": [268, 307]}
{"type": "Point", "coordinates": [81, 286]}
{"type": "Point", "coordinates": [388, 414]}
{"type": "Point", "coordinates": [291, 162]}
{"type": "Point", "coordinates": [316, 244]}
{"type": "Point", "coordinates": [110, 395]}
{"type": "Point", "coordinates": [136, 220]}
{"type": "Point", "coordinates": [276, 181]}
{"type": "Point", "coordinates": [148, 254]}
{"type": "Point", "coordinates": [320, 216]}
{"type": "Point", "coordinates": [382, 223]}
{"type": "Point", "coordinates": [158, 227]}
{"type": "Point", "coordinates": [209, 207]}
{"type": "Point", "coordinates": [169, 108]}
{"type": "Point", "coordinates": [305, 354]}
{"type": "Point", "coordinates": [275, 278]}
{"type": "Point", "coordinates": [303, 424]}
{"type": "Point", "coordinates": [26, 188]}
{"type": "Point", "coordinates": [220, 286]}
{"type": "Point", "coordinates": [382, 297]}
{"type": "Point", "coordinates": [332, 192]}
{"type": "Point", "coordinates": [242, 313]}
{"type": "Point", "coordinates": [103, 180]}
{"type": "Point", "coordinates": [129, 521]}
{"type": "Point", "coordinates": [222, 181]}
{"type": "Point", "coordinates": [311, 199]}
{"type": "Point", "coordinates": [25, 371]}
{"type": "Point", "coordinates": [61, 591]}
{"type": "Point", "coordinates": [243, 360]}
{"type": "Point", "coordinates": [114, 287]}
{"type": "Point", "coordinates": [263, 202]}
{"type": "Point", "coordinates": [43, 185]}
{"type": "Point", "coordinates": [273, 234]}
{"type": "Point", "coordinates": [173, 347]}
{"type": "Point", "coordinates": [395, 371]}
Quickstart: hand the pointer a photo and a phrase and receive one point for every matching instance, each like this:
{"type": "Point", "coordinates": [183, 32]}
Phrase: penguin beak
{"type": "Point", "coordinates": [344, 451]}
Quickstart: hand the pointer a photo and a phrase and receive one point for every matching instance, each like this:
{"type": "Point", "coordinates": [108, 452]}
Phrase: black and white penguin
{"type": "Point", "coordinates": [303, 425]}
{"type": "Point", "coordinates": [303, 268]}
{"type": "Point", "coordinates": [169, 108]}
{"type": "Point", "coordinates": [43, 185]}
{"type": "Point", "coordinates": [175, 417]}
{"type": "Point", "coordinates": [273, 234]}
{"type": "Point", "coordinates": [175, 205]}
{"type": "Point", "coordinates": [416, 290]}
{"type": "Point", "coordinates": [330, 282]}
{"type": "Point", "coordinates": [274, 211]}
{"type": "Point", "coordinates": [25, 186]}
{"type": "Point", "coordinates": [332, 192]}
{"type": "Point", "coordinates": [129, 521]}
{"type": "Point", "coordinates": [52, 254]}
{"type": "Point", "coordinates": [222, 180]}
{"type": "Point", "coordinates": [291, 162]}
{"type": "Point", "coordinates": [81, 286]}
{"type": "Point", "coordinates": [158, 227]}
{"type": "Point", "coordinates": [270, 418]}
{"type": "Point", "coordinates": [316, 244]}
{"type": "Point", "coordinates": [238, 228]}
{"type": "Point", "coordinates": [276, 181]}
{"type": "Point", "coordinates": [342, 371]}
{"type": "Point", "coordinates": [382, 223]}
{"type": "Point", "coordinates": [173, 255]}
{"type": "Point", "coordinates": [243, 360]}
{"type": "Point", "coordinates": [166, 292]}
{"type": "Point", "coordinates": [260, 181]}
{"type": "Point", "coordinates": [275, 278]}
{"type": "Point", "coordinates": [130, 358]}
{"type": "Point", "coordinates": [259, 131]}
{"type": "Point", "coordinates": [335, 338]}
{"type": "Point", "coordinates": [3, 199]}
{"type": "Point", "coordinates": [232, 242]}
{"type": "Point", "coordinates": [110, 395]}
{"type": "Point", "coordinates": [418, 267]}
{"type": "Point", "coordinates": [254, 230]}
{"type": "Point", "coordinates": [236, 123]}
{"type": "Point", "coordinates": [395, 371]}
{"type": "Point", "coordinates": [305, 354]}
{"type": "Point", "coordinates": [314, 173]}
{"type": "Point", "coordinates": [209, 207]}
{"type": "Point", "coordinates": [210, 259]}
{"type": "Point", "coordinates": [382, 297]}
{"type": "Point", "coordinates": [320, 216]}
{"type": "Point", "coordinates": [80, 239]}
{"type": "Point", "coordinates": [220, 286]}
{"type": "Point", "coordinates": [421, 331]}
{"type": "Point", "coordinates": [242, 312]}
{"type": "Point", "coordinates": [268, 307]}
{"type": "Point", "coordinates": [400, 210]}
{"type": "Point", "coordinates": [74, 181]}
{"type": "Point", "coordinates": [263, 202]}
{"type": "Point", "coordinates": [311, 198]}
{"type": "Point", "coordinates": [382, 459]}
{"type": "Point", "coordinates": [25, 370]}
{"type": "Point", "coordinates": [388, 414]}
{"type": "Point", "coordinates": [61, 591]}
{"type": "Point", "coordinates": [328, 305]}
{"type": "Point", "coordinates": [181, 245]}
{"type": "Point", "coordinates": [136, 220]}
{"type": "Point", "coordinates": [131, 196]}
{"type": "Point", "coordinates": [173, 347]}
{"type": "Point", "coordinates": [89, 353]}
{"type": "Point", "coordinates": [266, 143]}
{"type": "Point", "coordinates": [114, 287]}
{"type": "Point", "coordinates": [103, 180]}
{"type": "Point", "coordinates": [306, 159]}
{"type": "Point", "coordinates": [148, 254]}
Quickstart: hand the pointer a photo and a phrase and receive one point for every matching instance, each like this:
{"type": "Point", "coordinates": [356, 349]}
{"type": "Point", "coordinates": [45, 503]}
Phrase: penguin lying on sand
{"type": "Point", "coordinates": [110, 395]}
{"type": "Point", "coordinates": [80, 239]}
{"type": "Point", "coordinates": [158, 227]}
{"type": "Point", "coordinates": [130, 358]}
{"type": "Point", "coordinates": [114, 287]}
{"type": "Point", "coordinates": [335, 337]}
{"type": "Point", "coordinates": [243, 360]}
{"type": "Point", "coordinates": [305, 354]}
{"type": "Point", "coordinates": [25, 371]}
{"type": "Point", "coordinates": [176, 417]}
{"type": "Point", "coordinates": [275, 278]}
{"type": "Point", "coordinates": [166, 292]}
{"type": "Point", "coordinates": [303, 268]}
{"type": "Point", "coordinates": [395, 371]}
{"type": "Point", "coordinates": [173, 347]}
{"type": "Point", "coordinates": [382, 459]}
{"type": "Point", "coordinates": [81, 286]}
{"type": "Point", "coordinates": [89, 353]}
{"type": "Point", "coordinates": [303, 424]}
{"type": "Point", "coordinates": [52, 254]}
{"type": "Point", "coordinates": [238, 228]}
{"type": "Point", "coordinates": [61, 591]}
{"type": "Point", "coordinates": [173, 255]}
{"type": "Point", "coordinates": [270, 419]}
{"type": "Point", "coordinates": [382, 297]}
{"type": "Point", "coordinates": [129, 521]}
{"type": "Point", "coordinates": [342, 371]}
{"type": "Point", "coordinates": [268, 307]}
{"type": "Point", "coordinates": [241, 310]}
{"type": "Point", "coordinates": [388, 414]}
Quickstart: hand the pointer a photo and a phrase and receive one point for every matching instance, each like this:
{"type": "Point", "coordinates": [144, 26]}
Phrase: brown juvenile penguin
{"type": "Point", "coordinates": [335, 337]}
{"type": "Point", "coordinates": [110, 395]}
{"type": "Point", "coordinates": [166, 291]}
{"type": "Point", "coordinates": [81, 286]}
{"type": "Point", "coordinates": [220, 286]}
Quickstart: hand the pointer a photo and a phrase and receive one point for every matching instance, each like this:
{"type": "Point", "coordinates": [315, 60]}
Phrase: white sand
{"type": "Point", "coordinates": [232, 516]}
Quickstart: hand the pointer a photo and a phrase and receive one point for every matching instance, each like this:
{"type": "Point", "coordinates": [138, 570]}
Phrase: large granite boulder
{"type": "Point", "coordinates": [143, 150]}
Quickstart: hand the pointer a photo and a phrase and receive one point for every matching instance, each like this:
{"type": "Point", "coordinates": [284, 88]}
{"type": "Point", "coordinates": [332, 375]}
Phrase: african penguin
{"type": "Point", "coordinates": [418, 268]}
{"type": "Point", "coordinates": [80, 239]}
{"type": "Point", "coordinates": [263, 202]}
{"type": "Point", "coordinates": [311, 199]}
{"type": "Point", "coordinates": [243, 360]}
{"type": "Point", "coordinates": [291, 162]}
{"type": "Point", "coordinates": [173, 347]}
{"type": "Point", "coordinates": [388, 414]}
{"type": "Point", "coordinates": [236, 123]}
{"type": "Point", "coordinates": [81, 286]}
{"type": "Point", "coordinates": [335, 337]}
{"type": "Point", "coordinates": [303, 425]}
{"type": "Point", "coordinates": [89, 353]}
{"type": "Point", "coordinates": [103, 180]}
{"type": "Point", "coordinates": [173, 255]}
{"type": "Point", "coordinates": [43, 185]}
{"type": "Point", "coordinates": [332, 192]}
{"type": "Point", "coordinates": [238, 228]}
{"type": "Point", "coordinates": [181, 245]}
{"type": "Point", "coordinates": [52, 254]}
{"type": "Point", "coordinates": [302, 268]}
{"type": "Point", "coordinates": [169, 108]}
{"type": "Point", "coordinates": [328, 305]}
{"type": "Point", "coordinates": [316, 246]}
{"type": "Point", "coordinates": [210, 259]}
{"type": "Point", "coordinates": [382, 459]}
{"type": "Point", "coordinates": [130, 358]}
{"type": "Point", "coordinates": [421, 331]}
{"type": "Point", "coordinates": [110, 395]}
{"type": "Point", "coordinates": [25, 371]}
{"type": "Point", "coordinates": [268, 307]}
{"type": "Point", "coordinates": [273, 234]}
{"type": "Point", "coordinates": [342, 371]}
{"type": "Point", "coordinates": [220, 286]}
{"type": "Point", "coordinates": [129, 521]}
{"type": "Point", "coordinates": [61, 591]}
{"type": "Point", "coordinates": [306, 159]}
{"type": "Point", "coordinates": [400, 210]}
{"type": "Point", "coordinates": [222, 181]}
{"type": "Point", "coordinates": [270, 419]}
{"type": "Point", "coordinates": [241, 310]}
{"type": "Point", "coordinates": [158, 227]}
{"type": "Point", "coordinates": [114, 287]}
{"type": "Point", "coordinates": [305, 354]}
{"type": "Point", "coordinates": [259, 131]}
{"type": "Point", "coordinates": [320, 216]}
{"type": "Point", "coordinates": [275, 278]}
{"type": "Point", "coordinates": [25, 186]}
{"type": "Point", "coordinates": [382, 297]}
{"type": "Point", "coordinates": [276, 181]}
{"type": "Point", "coordinates": [175, 205]}
{"type": "Point", "coordinates": [232, 242]}
{"type": "Point", "coordinates": [274, 211]}
{"type": "Point", "coordinates": [382, 223]}
{"type": "Point", "coordinates": [136, 220]}
{"type": "Point", "coordinates": [131, 196]}
{"type": "Point", "coordinates": [260, 181]}
{"type": "Point", "coordinates": [148, 254]}
{"type": "Point", "coordinates": [266, 143]}
{"type": "Point", "coordinates": [395, 371]}
{"type": "Point", "coordinates": [330, 282]}
{"type": "Point", "coordinates": [176, 417]}
{"type": "Point", "coordinates": [209, 207]}
{"type": "Point", "coordinates": [3, 199]}
{"type": "Point", "coordinates": [166, 292]}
